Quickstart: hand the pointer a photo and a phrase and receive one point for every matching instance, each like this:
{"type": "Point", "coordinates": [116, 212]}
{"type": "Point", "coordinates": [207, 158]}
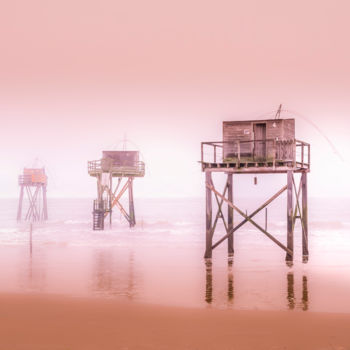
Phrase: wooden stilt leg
{"type": "Point", "coordinates": [131, 204]}
{"type": "Point", "coordinates": [304, 216]}
{"type": "Point", "coordinates": [209, 237]}
{"type": "Point", "coordinates": [289, 256]}
{"type": "Point", "coordinates": [19, 211]}
{"type": "Point", "coordinates": [45, 216]}
{"type": "Point", "coordinates": [230, 249]}
{"type": "Point", "coordinates": [110, 198]}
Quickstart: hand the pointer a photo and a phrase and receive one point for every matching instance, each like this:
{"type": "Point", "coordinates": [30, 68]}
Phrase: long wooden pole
{"type": "Point", "coordinates": [290, 243]}
{"type": "Point", "coordinates": [209, 236]}
{"type": "Point", "coordinates": [19, 211]}
{"type": "Point", "coordinates": [230, 249]}
{"type": "Point", "coordinates": [132, 221]}
{"type": "Point", "coordinates": [304, 219]}
{"type": "Point", "coordinates": [45, 216]}
{"type": "Point", "coordinates": [110, 198]}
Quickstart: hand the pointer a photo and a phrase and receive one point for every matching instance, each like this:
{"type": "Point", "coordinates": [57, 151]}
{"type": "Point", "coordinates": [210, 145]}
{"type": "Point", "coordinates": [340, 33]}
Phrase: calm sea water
{"type": "Point", "coordinates": [161, 259]}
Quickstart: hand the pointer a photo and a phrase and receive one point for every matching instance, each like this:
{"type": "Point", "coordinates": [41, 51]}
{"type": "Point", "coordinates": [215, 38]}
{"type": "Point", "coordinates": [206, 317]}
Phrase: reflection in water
{"type": "Point", "coordinates": [111, 277]}
{"type": "Point", "coordinates": [290, 295]}
{"type": "Point", "coordinates": [290, 291]}
{"type": "Point", "coordinates": [230, 289]}
{"type": "Point", "coordinates": [209, 281]}
{"type": "Point", "coordinates": [304, 305]}
{"type": "Point", "coordinates": [34, 276]}
{"type": "Point", "coordinates": [305, 298]}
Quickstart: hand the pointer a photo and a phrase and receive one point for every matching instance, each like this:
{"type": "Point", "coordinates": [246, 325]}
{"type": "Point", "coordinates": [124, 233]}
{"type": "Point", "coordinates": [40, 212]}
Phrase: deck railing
{"type": "Point", "coordinates": [106, 166]}
{"type": "Point", "coordinates": [32, 180]}
{"type": "Point", "coordinates": [273, 151]}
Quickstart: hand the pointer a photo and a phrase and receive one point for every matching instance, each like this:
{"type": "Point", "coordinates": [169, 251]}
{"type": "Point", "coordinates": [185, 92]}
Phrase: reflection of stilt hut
{"type": "Point", "coordinates": [256, 147]}
{"type": "Point", "coordinates": [33, 186]}
{"type": "Point", "coordinates": [114, 164]}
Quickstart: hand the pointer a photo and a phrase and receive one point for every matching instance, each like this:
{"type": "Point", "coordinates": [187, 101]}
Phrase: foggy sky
{"type": "Point", "coordinates": [76, 76]}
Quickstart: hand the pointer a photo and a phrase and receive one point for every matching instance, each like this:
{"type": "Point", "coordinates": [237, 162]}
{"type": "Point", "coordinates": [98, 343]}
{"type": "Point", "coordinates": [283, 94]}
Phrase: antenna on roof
{"type": "Point", "coordinates": [278, 113]}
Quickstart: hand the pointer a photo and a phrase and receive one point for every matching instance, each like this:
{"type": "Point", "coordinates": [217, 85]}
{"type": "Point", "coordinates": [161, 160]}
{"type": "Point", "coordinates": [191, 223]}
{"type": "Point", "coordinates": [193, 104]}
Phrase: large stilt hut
{"type": "Point", "coordinates": [256, 147]}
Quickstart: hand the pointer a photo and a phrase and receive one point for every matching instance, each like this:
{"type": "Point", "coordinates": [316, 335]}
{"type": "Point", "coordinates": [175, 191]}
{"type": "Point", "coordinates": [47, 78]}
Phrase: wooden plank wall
{"type": "Point", "coordinates": [233, 131]}
{"type": "Point", "coordinates": [281, 129]}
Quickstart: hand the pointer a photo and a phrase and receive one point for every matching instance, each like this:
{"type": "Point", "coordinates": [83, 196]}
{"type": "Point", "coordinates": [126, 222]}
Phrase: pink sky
{"type": "Point", "coordinates": [75, 76]}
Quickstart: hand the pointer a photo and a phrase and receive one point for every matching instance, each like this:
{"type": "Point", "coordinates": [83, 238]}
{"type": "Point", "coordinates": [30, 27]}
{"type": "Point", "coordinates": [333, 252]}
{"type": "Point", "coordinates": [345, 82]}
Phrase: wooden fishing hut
{"type": "Point", "coordinates": [33, 183]}
{"type": "Point", "coordinates": [114, 164]}
{"type": "Point", "coordinates": [256, 147]}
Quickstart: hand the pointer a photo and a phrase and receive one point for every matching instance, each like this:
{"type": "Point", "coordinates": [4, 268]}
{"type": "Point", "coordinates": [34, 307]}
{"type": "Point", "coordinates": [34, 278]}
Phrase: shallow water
{"type": "Point", "coordinates": [161, 259]}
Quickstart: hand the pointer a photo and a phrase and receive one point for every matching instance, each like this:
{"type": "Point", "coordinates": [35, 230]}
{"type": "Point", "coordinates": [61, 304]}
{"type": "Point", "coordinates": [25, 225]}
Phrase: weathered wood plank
{"type": "Point", "coordinates": [290, 243]}
{"type": "Point", "coordinates": [208, 236]}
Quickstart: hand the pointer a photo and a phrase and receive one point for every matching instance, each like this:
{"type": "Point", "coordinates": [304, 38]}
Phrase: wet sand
{"type": "Point", "coordinates": [62, 323]}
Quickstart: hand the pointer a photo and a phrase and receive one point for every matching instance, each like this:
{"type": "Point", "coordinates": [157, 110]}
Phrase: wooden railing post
{"type": "Point", "coordinates": [238, 154]}
{"type": "Point", "coordinates": [302, 154]}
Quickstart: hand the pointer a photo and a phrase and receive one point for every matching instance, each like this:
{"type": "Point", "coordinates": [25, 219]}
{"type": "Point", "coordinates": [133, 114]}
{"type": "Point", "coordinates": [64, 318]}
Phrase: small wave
{"type": "Point", "coordinates": [8, 230]}
{"type": "Point", "coordinates": [77, 222]}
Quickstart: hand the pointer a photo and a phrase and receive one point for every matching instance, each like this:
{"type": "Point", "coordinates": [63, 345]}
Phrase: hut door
{"type": "Point", "coordinates": [259, 141]}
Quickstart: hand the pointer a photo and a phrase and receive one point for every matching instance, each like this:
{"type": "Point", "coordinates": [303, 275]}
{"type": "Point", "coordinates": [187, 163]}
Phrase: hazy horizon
{"type": "Point", "coordinates": [77, 77]}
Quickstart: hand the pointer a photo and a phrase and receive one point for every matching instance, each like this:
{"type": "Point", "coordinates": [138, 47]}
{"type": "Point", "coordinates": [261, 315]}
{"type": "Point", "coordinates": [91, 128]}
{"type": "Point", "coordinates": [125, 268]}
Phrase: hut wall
{"type": "Point", "coordinates": [234, 131]}
{"type": "Point", "coordinates": [37, 175]}
{"type": "Point", "coordinates": [280, 134]}
{"type": "Point", "coordinates": [119, 158]}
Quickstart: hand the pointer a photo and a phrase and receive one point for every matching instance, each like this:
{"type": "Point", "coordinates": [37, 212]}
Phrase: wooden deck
{"type": "Point", "coordinates": [95, 168]}
{"type": "Point", "coordinates": [255, 167]}
{"type": "Point", "coordinates": [280, 156]}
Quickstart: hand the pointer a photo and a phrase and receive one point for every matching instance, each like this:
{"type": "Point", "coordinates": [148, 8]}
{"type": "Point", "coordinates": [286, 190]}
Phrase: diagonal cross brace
{"type": "Point", "coordinates": [220, 213]}
{"type": "Point", "coordinates": [117, 198]}
{"type": "Point", "coordinates": [297, 207]}
{"type": "Point", "coordinates": [249, 217]}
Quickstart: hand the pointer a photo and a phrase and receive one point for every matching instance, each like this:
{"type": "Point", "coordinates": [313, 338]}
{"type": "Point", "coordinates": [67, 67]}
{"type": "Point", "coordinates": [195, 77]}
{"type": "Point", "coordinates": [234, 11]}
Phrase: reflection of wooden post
{"type": "Point", "coordinates": [208, 282]}
{"type": "Point", "coordinates": [230, 287]}
{"type": "Point", "coordinates": [305, 298]}
{"type": "Point", "coordinates": [290, 291]}
{"type": "Point", "coordinates": [289, 256]}
{"type": "Point", "coordinates": [230, 249]}
{"type": "Point", "coordinates": [209, 236]}
{"type": "Point", "coordinates": [304, 215]}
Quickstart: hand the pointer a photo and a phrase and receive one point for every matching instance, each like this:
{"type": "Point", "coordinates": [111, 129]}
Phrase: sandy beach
{"type": "Point", "coordinates": [61, 323]}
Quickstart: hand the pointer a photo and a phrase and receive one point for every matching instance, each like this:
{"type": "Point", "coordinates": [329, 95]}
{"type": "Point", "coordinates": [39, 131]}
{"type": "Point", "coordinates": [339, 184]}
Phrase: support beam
{"type": "Point", "coordinates": [209, 234]}
{"type": "Point", "coordinates": [110, 198]}
{"type": "Point", "coordinates": [230, 249]}
{"type": "Point", "coordinates": [45, 216]}
{"type": "Point", "coordinates": [304, 219]}
{"type": "Point", "coordinates": [249, 217]}
{"type": "Point", "coordinates": [290, 243]}
{"type": "Point", "coordinates": [19, 211]}
{"type": "Point", "coordinates": [132, 221]}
